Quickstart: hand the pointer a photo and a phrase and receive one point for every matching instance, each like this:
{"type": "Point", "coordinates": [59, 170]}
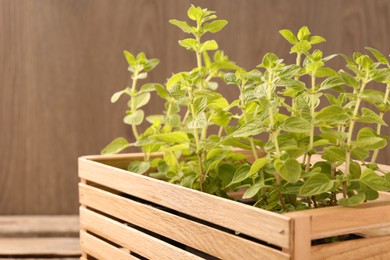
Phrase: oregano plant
{"type": "Point", "coordinates": [298, 135]}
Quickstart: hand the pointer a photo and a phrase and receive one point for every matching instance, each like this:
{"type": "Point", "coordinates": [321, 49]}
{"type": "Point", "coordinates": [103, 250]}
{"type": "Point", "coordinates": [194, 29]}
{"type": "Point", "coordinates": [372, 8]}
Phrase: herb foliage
{"type": "Point", "coordinates": [278, 170]}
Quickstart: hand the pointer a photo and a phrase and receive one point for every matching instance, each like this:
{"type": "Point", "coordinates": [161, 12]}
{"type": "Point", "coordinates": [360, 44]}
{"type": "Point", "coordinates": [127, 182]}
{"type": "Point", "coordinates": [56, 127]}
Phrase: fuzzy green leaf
{"type": "Point", "coordinates": [252, 191]}
{"type": "Point", "coordinates": [316, 184]}
{"type": "Point", "coordinates": [303, 33]}
{"type": "Point", "coordinates": [116, 146]}
{"type": "Point", "coordinates": [215, 26]}
{"type": "Point", "coordinates": [332, 114]}
{"type": "Point", "coordinates": [379, 56]}
{"type": "Point", "coordinates": [368, 139]}
{"type": "Point", "coordinates": [182, 25]}
{"type": "Point", "coordinates": [257, 165]}
{"type": "Point", "coordinates": [139, 167]}
{"type": "Point", "coordinates": [289, 170]}
{"type": "Point", "coordinates": [296, 125]}
{"type": "Point", "coordinates": [209, 46]}
{"type": "Point", "coordinates": [173, 137]}
{"type": "Point", "coordinates": [130, 58]}
{"type": "Point", "coordinates": [332, 82]}
{"type": "Point", "coordinates": [289, 36]}
{"type": "Point", "coordinates": [195, 13]}
{"type": "Point", "coordinates": [333, 154]}
{"type": "Point", "coordinates": [316, 39]}
{"type": "Point", "coordinates": [141, 99]}
{"type": "Point", "coordinates": [302, 46]}
{"type": "Point", "coordinates": [116, 96]}
{"type": "Point", "coordinates": [200, 104]}
{"type": "Point", "coordinates": [349, 79]}
{"type": "Point", "coordinates": [241, 174]}
{"type": "Point", "coordinates": [374, 181]}
{"type": "Point", "coordinates": [355, 200]}
{"type": "Point", "coordinates": [199, 122]}
{"type": "Point", "coordinates": [369, 116]}
{"type": "Point", "coordinates": [134, 119]}
{"type": "Point", "coordinates": [189, 44]}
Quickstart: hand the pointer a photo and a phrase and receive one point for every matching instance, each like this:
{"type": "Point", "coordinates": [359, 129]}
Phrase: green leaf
{"type": "Point", "coordinates": [373, 96]}
{"type": "Point", "coordinates": [368, 139]}
{"type": "Point", "coordinates": [116, 146]}
{"type": "Point", "coordinates": [195, 13]}
{"type": "Point", "coordinates": [333, 154]}
{"type": "Point", "coordinates": [182, 25]}
{"type": "Point", "coordinates": [249, 129]}
{"type": "Point", "coordinates": [316, 184]}
{"type": "Point", "coordinates": [139, 167]}
{"type": "Point", "coordinates": [173, 120]}
{"type": "Point", "coordinates": [289, 170]}
{"type": "Point", "coordinates": [303, 33]}
{"type": "Point", "coordinates": [221, 118]}
{"type": "Point", "coordinates": [161, 91]}
{"type": "Point", "coordinates": [141, 99]}
{"type": "Point", "coordinates": [269, 60]}
{"type": "Point", "coordinates": [116, 96]}
{"type": "Point", "coordinates": [130, 58]}
{"type": "Point", "coordinates": [349, 79]}
{"type": "Point", "coordinates": [209, 46]}
{"type": "Point", "coordinates": [369, 116]}
{"type": "Point", "coordinates": [215, 26]}
{"type": "Point", "coordinates": [200, 104]}
{"type": "Point", "coordinates": [252, 191]}
{"type": "Point", "coordinates": [325, 72]}
{"type": "Point", "coordinates": [332, 82]}
{"type": "Point", "coordinates": [379, 56]}
{"type": "Point", "coordinates": [316, 39]}
{"type": "Point", "coordinates": [302, 46]}
{"type": "Point", "coordinates": [257, 165]}
{"type": "Point", "coordinates": [173, 137]}
{"type": "Point", "coordinates": [332, 114]}
{"type": "Point", "coordinates": [199, 122]}
{"type": "Point", "coordinates": [189, 44]}
{"type": "Point", "coordinates": [296, 125]}
{"type": "Point", "coordinates": [289, 36]}
{"type": "Point", "coordinates": [374, 181]}
{"type": "Point", "coordinates": [178, 147]}
{"type": "Point", "coordinates": [134, 119]}
{"type": "Point", "coordinates": [355, 200]}
{"type": "Point", "coordinates": [150, 64]}
{"type": "Point", "coordinates": [149, 87]}
{"type": "Point", "coordinates": [241, 174]}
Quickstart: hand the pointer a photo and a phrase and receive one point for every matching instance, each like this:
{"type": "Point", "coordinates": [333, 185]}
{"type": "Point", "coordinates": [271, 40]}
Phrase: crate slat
{"type": "Point", "coordinates": [332, 221]}
{"type": "Point", "coordinates": [53, 246]}
{"type": "Point", "coordinates": [267, 226]}
{"type": "Point", "coordinates": [365, 248]}
{"type": "Point", "coordinates": [39, 226]}
{"type": "Point", "coordinates": [207, 239]}
{"type": "Point", "coordinates": [130, 238]}
{"type": "Point", "coordinates": [101, 249]}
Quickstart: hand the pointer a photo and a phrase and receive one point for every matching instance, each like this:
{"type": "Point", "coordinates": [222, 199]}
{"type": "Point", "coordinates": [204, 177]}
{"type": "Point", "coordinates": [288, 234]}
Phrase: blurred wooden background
{"type": "Point", "coordinates": [60, 62]}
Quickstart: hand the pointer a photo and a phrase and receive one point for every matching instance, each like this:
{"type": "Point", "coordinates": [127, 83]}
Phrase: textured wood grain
{"type": "Point", "coordinates": [40, 246]}
{"type": "Point", "coordinates": [201, 237]}
{"type": "Point", "coordinates": [60, 61]}
{"type": "Point", "coordinates": [39, 226]}
{"type": "Point", "coordinates": [367, 248]}
{"type": "Point", "coordinates": [100, 249]}
{"type": "Point", "coordinates": [130, 238]}
{"type": "Point", "coordinates": [256, 222]}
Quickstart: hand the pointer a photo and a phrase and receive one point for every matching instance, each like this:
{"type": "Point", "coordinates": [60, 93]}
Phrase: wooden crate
{"type": "Point", "coordinates": [129, 216]}
{"type": "Point", "coordinates": [39, 237]}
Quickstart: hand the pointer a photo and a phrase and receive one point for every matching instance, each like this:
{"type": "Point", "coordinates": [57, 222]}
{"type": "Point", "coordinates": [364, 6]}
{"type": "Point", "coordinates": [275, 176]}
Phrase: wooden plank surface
{"type": "Point", "coordinates": [39, 226]}
{"type": "Point", "coordinates": [367, 248]}
{"type": "Point", "coordinates": [130, 238]}
{"type": "Point", "coordinates": [40, 246]}
{"type": "Point", "coordinates": [55, 93]}
{"type": "Point", "coordinates": [102, 250]}
{"type": "Point", "coordinates": [339, 220]}
{"type": "Point", "coordinates": [246, 219]}
{"type": "Point", "coordinates": [195, 235]}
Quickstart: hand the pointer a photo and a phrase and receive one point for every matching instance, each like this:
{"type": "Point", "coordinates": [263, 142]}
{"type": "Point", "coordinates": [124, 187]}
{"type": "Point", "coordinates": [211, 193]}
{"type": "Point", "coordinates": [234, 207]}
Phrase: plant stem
{"type": "Point", "coordinates": [133, 91]}
{"type": "Point", "coordinates": [296, 77]}
{"type": "Point", "coordinates": [350, 133]}
{"type": "Point", "coordinates": [379, 126]}
{"type": "Point", "coordinates": [312, 111]}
